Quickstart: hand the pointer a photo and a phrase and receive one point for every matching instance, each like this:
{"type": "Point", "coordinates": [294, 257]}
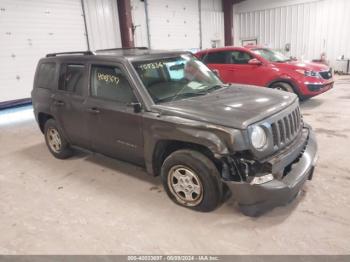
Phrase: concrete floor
{"type": "Point", "coordinates": [91, 204]}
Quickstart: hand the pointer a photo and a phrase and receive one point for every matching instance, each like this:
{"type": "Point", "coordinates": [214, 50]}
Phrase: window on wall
{"type": "Point", "coordinates": [72, 78]}
{"type": "Point", "coordinates": [240, 57]}
{"type": "Point", "coordinates": [46, 75]}
{"type": "Point", "coordinates": [111, 83]}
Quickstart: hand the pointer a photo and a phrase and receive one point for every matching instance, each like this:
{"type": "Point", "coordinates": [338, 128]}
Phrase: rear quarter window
{"type": "Point", "coordinates": [46, 75]}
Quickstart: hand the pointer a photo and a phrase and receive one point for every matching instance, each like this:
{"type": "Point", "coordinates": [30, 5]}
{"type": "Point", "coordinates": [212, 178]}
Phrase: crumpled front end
{"type": "Point", "coordinates": [261, 186]}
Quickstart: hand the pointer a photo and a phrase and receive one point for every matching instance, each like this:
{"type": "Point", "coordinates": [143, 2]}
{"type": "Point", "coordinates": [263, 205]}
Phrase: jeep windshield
{"type": "Point", "coordinates": [175, 78]}
{"type": "Point", "coordinates": [271, 55]}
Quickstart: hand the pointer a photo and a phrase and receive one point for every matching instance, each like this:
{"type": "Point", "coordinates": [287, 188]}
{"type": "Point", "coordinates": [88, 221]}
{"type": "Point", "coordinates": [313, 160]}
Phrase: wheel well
{"type": "Point", "coordinates": [42, 118]}
{"type": "Point", "coordinates": [164, 148]}
{"type": "Point", "coordinates": [285, 82]}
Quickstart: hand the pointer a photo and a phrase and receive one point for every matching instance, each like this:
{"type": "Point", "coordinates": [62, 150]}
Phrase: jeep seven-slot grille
{"type": "Point", "coordinates": [286, 129]}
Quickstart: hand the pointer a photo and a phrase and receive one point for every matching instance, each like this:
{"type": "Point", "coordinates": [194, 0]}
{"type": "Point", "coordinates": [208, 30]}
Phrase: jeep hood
{"type": "Point", "coordinates": [235, 106]}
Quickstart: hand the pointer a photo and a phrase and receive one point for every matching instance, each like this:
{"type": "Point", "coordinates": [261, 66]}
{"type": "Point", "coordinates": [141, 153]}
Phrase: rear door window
{"type": "Point", "coordinates": [216, 58]}
{"type": "Point", "coordinates": [46, 75]}
{"type": "Point", "coordinates": [72, 78]}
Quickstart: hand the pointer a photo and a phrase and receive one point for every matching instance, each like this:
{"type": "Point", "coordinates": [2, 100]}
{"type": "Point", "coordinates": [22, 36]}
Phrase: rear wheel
{"type": "Point", "coordinates": [192, 180]}
{"type": "Point", "coordinates": [283, 87]}
{"type": "Point", "coordinates": [55, 141]}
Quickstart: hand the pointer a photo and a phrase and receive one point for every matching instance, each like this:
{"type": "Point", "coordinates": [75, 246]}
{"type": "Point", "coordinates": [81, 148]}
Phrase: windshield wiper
{"type": "Point", "coordinates": [191, 94]}
{"type": "Point", "coordinates": [283, 61]}
{"type": "Point", "coordinates": [183, 95]}
{"type": "Point", "coordinates": [213, 88]}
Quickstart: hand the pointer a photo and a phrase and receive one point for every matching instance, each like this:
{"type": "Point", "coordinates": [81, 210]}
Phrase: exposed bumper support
{"type": "Point", "coordinates": [257, 199]}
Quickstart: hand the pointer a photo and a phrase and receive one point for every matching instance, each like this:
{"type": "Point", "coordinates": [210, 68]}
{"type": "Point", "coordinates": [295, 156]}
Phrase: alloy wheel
{"type": "Point", "coordinates": [185, 185]}
{"type": "Point", "coordinates": [54, 139]}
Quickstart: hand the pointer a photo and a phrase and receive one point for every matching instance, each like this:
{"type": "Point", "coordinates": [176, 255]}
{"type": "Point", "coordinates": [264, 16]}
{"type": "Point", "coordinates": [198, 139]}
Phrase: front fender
{"type": "Point", "coordinates": [219, 140]}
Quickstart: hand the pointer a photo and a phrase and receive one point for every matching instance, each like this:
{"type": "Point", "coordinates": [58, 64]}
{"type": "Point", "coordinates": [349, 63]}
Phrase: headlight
{"type": "Point", "coordinates": [258, 137]}
{"type": "Point", "coordinates": [308, 73]}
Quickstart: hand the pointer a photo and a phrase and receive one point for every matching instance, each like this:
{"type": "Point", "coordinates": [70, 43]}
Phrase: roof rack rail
{"type": "Point", "coordinates": [71, 53]}
{"type": "Point", "coordinates": [122, 48]}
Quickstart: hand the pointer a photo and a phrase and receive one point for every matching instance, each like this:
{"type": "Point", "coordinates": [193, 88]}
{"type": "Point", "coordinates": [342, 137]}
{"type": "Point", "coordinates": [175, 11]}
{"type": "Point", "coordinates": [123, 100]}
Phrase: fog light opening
{"type": "Point", "coordinates": [258, 180]}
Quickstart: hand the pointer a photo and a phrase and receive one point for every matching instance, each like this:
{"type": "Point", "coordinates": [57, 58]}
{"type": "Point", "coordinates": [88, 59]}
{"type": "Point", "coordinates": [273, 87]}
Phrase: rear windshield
{"type": "Point", "coordinates": [46, 75]}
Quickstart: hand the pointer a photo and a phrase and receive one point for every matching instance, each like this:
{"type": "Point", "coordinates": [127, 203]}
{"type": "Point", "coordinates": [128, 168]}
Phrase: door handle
{"type": "Point", "coordinates": [58, 103]}
{"type": "Point", "coordinates": [93, 110]}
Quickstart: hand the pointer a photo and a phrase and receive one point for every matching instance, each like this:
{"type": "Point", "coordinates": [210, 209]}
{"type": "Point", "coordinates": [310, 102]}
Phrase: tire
{"type": "Point", "coordinates": [304, 98]}
{"type": "Point", "coordinates": [55, 140]}
{"type": "Point", "coordinates": [192, 171]}
{"type": "Point", "coordinates": [284, 87]}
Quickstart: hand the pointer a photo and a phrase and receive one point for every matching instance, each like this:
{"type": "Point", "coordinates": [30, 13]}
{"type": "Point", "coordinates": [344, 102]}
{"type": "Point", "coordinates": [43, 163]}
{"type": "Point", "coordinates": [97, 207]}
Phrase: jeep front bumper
{"type": "Point", "coordinates": [255, 199]}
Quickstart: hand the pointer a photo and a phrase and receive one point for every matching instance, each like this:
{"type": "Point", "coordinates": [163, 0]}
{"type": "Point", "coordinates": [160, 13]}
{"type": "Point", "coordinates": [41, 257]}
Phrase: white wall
{"type": "Point", "coordinates": [102, 24]}
{"type": "Point", "coordinates": [176, 24]}
{"type": "Point", "coordinates": [139, 21]}
{"type": "Point", "coordinates": [211, 5]}
{"type": "Point", "coordinates": [310, 26]}
{"type": "Point", "coordinates": [212, 23]}
{"type": "Point", "coordinates": [173, 24]}
{"type": "Point", "coordinates": [28, 31]}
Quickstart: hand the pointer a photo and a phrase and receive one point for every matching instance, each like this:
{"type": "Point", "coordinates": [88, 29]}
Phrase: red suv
{"type": "Point", "coordinates": [260, 66]}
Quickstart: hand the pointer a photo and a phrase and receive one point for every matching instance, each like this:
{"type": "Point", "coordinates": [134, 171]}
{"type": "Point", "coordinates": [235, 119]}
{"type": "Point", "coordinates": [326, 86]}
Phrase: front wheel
{"type": "Point", "coordinates": [283, 87]}
{"type": "Point", "coordinates": [192, 180]}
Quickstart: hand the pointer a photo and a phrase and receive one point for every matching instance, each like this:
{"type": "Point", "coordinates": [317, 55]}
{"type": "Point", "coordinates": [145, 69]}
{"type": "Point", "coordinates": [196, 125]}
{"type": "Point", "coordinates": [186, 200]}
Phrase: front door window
{"type": "Point", "coordinates": [110, 83]}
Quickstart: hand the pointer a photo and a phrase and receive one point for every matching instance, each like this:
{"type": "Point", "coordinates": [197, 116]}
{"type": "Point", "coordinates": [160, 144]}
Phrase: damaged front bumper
{"type": "Point", "coordinates": [255, 199]}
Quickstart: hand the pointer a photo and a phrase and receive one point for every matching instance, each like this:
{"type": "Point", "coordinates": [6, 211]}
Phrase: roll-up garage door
{"type": "Point", "coordinates": [28, 31]}
{"type": "Point", "coordinates": [173, 24]}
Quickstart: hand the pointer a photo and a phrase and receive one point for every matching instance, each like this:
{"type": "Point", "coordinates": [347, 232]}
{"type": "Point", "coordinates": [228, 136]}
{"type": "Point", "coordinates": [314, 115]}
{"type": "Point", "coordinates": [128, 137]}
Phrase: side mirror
{"type": "Point", "coordinates": [254, 61]}
{"type": "Point", "coordinates": [136, 106]}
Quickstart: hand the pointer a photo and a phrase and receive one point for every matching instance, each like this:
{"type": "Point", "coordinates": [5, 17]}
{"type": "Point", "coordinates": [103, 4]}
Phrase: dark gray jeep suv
{"type": "Point", "coordinates": [167, 112]}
